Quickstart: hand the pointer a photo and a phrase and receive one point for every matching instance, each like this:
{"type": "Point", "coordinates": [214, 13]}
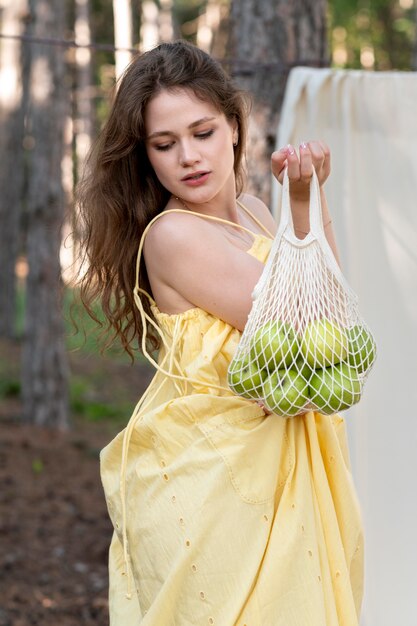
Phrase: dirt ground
{"type": "Point", "coordinates": [54, 527]}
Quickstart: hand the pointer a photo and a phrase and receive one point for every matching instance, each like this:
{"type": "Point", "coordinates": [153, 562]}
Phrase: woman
{"type": "Point", "coordinates": [223, 513]}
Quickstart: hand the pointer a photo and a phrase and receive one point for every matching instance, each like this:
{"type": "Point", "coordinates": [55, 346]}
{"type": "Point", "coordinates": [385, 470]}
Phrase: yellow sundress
{"type": "Point", "coordinates": [222, 515]}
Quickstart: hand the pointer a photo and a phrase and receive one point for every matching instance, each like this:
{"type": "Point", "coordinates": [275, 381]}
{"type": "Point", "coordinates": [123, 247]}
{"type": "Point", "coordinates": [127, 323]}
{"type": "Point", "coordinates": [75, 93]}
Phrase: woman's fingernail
{"type": "Point", "coordinates": [303, 145]}
{"type": "Point", "coordinates": [290, 149]}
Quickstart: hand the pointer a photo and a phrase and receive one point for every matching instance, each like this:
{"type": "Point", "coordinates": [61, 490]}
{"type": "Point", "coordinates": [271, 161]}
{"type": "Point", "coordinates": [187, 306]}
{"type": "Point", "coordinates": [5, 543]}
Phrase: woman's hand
{"type": "Point", "coordinates": [300, 168]}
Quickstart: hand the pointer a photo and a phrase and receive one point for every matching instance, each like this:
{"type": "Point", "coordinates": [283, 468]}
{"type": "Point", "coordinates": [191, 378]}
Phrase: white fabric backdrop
{"type": "Point", "coordinates": [369, 121]}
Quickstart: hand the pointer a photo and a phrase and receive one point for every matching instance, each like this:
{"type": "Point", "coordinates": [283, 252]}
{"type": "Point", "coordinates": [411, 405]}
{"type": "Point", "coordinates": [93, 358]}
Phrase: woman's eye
{"type": "Point", "coordinates": [167, 146]}
{"type": "Point", "coordinates": [163, 147]}
{"type": "Point", "coordinates": [205, 135]}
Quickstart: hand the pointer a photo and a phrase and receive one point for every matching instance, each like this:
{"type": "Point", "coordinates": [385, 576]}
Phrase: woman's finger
{"type": "Point", "coordinates": [293, 164]}
{"type": "Point", "coordinates": [312, 154]}
{"type": "Point", "coordinates": [327, 159]}
{"type": "Point", "coordinates": [306, 163]}
{"type": "Point", "coordinates": [285, 157]}
{"type": "Point", "coordinates": [278, 163]}
{"type": "Point", "coordinates": [317, 155]}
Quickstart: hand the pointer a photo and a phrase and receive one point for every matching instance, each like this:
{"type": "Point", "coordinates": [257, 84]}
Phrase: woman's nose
{"type": "Point", "coordinates": [188, 155]}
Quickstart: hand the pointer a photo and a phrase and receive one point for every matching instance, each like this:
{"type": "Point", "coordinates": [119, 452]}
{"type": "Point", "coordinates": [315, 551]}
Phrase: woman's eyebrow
{"type": "Point", "coordinates": [159, 133]}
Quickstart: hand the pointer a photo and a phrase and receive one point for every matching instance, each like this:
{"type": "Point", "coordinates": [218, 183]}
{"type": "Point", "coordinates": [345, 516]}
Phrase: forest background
{"type": "Point", "coordinates": [61, 400]}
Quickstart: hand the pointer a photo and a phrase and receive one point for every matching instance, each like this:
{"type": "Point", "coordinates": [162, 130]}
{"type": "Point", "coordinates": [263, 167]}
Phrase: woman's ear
{"type": "Point", "coordinates": [235, 133]}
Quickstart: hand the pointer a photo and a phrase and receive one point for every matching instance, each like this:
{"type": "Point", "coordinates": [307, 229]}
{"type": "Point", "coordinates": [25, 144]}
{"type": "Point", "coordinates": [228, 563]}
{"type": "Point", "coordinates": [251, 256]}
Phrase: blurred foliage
{"type": "Point", "coordinates": [85, 401]}
{"type": "Point", "coordinates": [9, 386]}
{"type": "Point", "coordinates": [102, 387]}
{"type": "Point", "coordinates": [186, 13]}
{"type": "Point", "coordinates": [37, 466]}
{"type": "Point", "coordinates": [81, 331]}
{"type": "Point", "coordinates": [372, 34]}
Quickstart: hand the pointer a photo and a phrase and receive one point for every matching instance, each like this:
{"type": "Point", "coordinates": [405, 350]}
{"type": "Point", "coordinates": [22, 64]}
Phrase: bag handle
{"type": "Point", "coordinates": [286, 231]}
{"type": "Point", "coordinates": [286, 224]}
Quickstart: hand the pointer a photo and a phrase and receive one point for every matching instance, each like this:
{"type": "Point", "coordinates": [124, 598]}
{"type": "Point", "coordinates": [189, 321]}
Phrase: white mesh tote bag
{"type": "Point", "coordinates": [304, 346]}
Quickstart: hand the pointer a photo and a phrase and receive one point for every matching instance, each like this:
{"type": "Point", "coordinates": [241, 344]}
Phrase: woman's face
{"type": "Point", "coordinates": [190, 146]}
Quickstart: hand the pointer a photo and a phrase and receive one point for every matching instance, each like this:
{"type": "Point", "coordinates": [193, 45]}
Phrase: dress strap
{"type": "Point", "coordinates": [255, 219]}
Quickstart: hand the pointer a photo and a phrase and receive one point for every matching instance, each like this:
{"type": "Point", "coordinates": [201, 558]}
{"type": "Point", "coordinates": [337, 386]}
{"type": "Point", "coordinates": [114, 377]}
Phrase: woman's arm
{"type": "Point", "coordinates": [188, 257]}
{"type": "Point", "coordinates": [313, 154]}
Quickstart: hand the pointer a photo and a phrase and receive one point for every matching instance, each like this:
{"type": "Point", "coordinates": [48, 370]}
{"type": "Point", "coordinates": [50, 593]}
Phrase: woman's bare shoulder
{"type": "Point", "coordinates": [259, 210]}
{"type": "Point", "coordinates": [176, 237]}
{"type": "Point", "coordinates": [191, 263]}
{"type": "Point", "coordinates": [174, 228]}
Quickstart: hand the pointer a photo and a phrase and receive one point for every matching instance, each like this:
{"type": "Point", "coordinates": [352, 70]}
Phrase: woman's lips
{"type": "Point", "coordinates": [198, 178]}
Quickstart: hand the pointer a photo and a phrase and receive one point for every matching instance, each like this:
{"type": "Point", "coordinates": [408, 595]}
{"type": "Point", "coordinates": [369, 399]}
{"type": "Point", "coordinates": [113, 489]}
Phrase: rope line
{"type": "Point", "coordinates": [238, 66]}
{"type": "Point", "coordinates": [66, 43]}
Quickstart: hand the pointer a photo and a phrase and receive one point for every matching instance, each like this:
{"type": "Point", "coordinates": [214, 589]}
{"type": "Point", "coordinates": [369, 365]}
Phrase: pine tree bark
{"type": "Point", "coordinates": [44, 359]}
{"type": "Point", "coordinates": [266, 39]}
{"type": "Point", "coordinates": [12, 158]}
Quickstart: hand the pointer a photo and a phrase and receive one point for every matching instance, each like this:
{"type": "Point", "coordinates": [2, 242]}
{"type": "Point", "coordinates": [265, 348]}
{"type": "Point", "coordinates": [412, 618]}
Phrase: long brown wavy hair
{"type": "Point", "coordinates": [119, 193]}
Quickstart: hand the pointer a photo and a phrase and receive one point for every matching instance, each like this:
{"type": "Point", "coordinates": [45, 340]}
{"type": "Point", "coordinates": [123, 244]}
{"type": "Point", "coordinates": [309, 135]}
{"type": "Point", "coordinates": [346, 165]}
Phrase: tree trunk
{"type": "Point", "coordinates": [83, 124]}
{"type": "Point", "coordinates": [12, 158]}
{"type": "Point", "coordinates": [221, 32]}
{"type": "Point", "coordinates": [149, 25]}
{"type": "Point", "coordinates": [265, 40]}
{"type": "Point", "coordinates": [166, 22]}
{"type": "Point", "coordinates": [122, 12]}
{"type": "Point", "coordinates": [78, 136]}
{"type": "Point", "coordinates": [44, 359]}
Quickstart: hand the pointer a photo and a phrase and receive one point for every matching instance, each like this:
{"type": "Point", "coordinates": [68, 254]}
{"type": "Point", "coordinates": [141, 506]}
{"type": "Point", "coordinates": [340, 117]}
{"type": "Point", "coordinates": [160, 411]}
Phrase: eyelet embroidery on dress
{"type": "Point", "coordinates": [210, 433]}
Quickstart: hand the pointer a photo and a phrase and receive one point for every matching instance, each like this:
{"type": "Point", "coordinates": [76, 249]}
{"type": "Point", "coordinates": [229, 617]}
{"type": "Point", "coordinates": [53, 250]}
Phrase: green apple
{"type": "Point", "coordinates": [361, 350]}
{"type": "Point", "coordinates": [245, 378]}
{"type": "Point", "coordinates": [302, 367]}
{"type": "Point", "coordinates": [285, 392]}
{"type": "Point", "coordinates": [324, 343]}
{"type": "Point", "coordinates": [335, 388]}
{"type": "Point", "coordinates": [275, 345]}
